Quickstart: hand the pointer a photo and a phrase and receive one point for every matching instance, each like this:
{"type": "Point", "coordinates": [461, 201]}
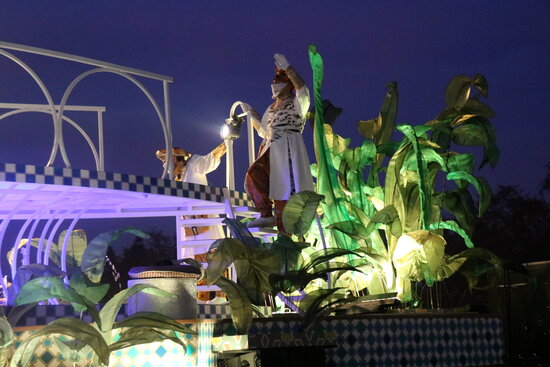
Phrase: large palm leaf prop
{"type": "Point", "coordinates": [393, 214]}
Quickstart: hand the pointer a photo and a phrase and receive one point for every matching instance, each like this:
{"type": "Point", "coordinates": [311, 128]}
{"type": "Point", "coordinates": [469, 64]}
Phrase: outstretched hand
{"type": "Point", "coordinates": [281, 62]}
{"type": "Point", "coordinates": [248, 109]}
{"type": "Point", "coordinates": [219, 151]}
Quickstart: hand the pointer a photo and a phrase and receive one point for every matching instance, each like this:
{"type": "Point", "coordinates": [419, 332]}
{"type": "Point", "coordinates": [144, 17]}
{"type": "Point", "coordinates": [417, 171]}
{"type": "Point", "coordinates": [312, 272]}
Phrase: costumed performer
{"type": "Point", "coordinates": [282, 167]}
{"type": "Point", "coordinates": [192, 168]}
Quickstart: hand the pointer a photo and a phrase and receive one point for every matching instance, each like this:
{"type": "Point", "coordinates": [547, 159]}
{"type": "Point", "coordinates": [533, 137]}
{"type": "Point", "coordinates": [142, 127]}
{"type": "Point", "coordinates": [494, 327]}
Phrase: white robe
{"type": "Point", "coordinates": [282, 142]}
{"type": "Point", "coordinates": [198, 166]}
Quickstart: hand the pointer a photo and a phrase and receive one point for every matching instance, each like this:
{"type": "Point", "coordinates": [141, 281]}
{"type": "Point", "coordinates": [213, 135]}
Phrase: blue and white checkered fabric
{"type": "Point", "coordinates": [11, 172]}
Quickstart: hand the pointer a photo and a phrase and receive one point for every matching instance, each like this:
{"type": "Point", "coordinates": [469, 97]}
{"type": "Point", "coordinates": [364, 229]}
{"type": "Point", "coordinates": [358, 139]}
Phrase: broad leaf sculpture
{"type": "Point", "coordinates": [394, 217]}
{"type": "Point", "coordinates": [76, 339]}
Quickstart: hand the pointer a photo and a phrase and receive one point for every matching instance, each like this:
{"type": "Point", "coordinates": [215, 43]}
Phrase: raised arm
{"type": "Point", "coordinates": [282, 63]}
{"type": "Point", "coordinates": [219, 151]}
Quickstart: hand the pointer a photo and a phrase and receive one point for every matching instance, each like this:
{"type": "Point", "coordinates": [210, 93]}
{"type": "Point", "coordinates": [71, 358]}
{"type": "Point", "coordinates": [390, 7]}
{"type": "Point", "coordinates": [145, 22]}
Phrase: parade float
{"type": "Point", "coordinates": [338, 289]}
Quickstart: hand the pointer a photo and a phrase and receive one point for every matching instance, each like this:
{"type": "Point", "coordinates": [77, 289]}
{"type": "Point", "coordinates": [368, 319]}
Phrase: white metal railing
{"type": "Point", "coordinates": [230, 166]}
{"type": "Point", "coordinates": [57, 111]}
{"type": "Point", "coordinates": [97, 151]}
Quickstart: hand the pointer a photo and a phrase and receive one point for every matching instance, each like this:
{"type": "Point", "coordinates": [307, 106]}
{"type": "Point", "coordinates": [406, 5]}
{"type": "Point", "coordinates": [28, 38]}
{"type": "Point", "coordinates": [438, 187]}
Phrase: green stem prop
{"type": "Point", "coordinates": [327, 180]}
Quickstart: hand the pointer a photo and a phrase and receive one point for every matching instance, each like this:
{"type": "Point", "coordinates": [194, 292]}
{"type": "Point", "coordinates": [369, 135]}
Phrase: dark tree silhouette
{"type": "Point", "coordinates": [158, 248]}
{"type": "Point", "coordinates": [516, 226]}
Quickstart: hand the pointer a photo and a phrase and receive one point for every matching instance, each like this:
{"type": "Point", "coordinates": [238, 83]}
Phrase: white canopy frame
{"type": "Point", "coordinates": [101, 66]}
{"type": "Point", "coordinates": [18, 108]}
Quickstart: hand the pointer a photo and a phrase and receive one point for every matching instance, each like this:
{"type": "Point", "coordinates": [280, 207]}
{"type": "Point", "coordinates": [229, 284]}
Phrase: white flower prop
{"type": "Point", "coordinates": [417, 257]}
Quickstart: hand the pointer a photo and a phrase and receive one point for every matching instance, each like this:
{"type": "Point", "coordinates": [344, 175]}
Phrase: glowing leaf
{"type": "Point", "coordinates": [387, 216]}
{"type": "Point", "coordinates": [470, 134]}
{"type": "Point", "coordinates": [480, 184]}
{"type": "Point", "coordinates": [448, 267]}
{"type": "Point", "coordinates": [461, 119]}
{"type": "Point", "coordinates": [421, 169]}
{"type": "Point", "coordinates": [93, 258]}
{"type": "Point", "coordinates": [76, 246]}
{"type": "Point", "coordinates": [418, 255]}
{"type": "Point", "coordinates": [92, 291]}
{"type": "Point", "coordinates": [108, 313]}
{"type": "Point", "coordinates": [481, 84]}
{"type": "Point", "coordinates": [476, 107]}
{"type": "Point", "coordinates": [153, 320]}
{"type": "Point", "coordinates": [300, 211]}
{"type": "Point", "coordinates": [369, 128]}
{"type": "Point", "coordinates": [452, 226]}
{"type": "Point", "coordinates": [241, 232]}
{"type": "Point", "coordinates": [74, 328]}
{"type": "Point", "coordinates": [458, 91]}
{"type": "Point", "coordinates": [460, 204]}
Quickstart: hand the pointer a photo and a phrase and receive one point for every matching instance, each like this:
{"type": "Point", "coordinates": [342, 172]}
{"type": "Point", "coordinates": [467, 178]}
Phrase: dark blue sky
{"type": "Point", "coordinates": [221, 51]}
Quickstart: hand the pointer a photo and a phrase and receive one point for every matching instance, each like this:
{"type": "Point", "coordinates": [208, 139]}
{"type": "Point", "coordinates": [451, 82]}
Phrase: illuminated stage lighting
{"type": "Point", "coordinates": [231, 129]}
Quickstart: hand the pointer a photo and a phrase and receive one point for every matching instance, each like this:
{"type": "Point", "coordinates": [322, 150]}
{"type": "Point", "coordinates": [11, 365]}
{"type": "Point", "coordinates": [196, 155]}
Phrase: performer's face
{"type": "Point", "coordinates": [280, 78]}
{"type": "Point", "coordinates": [283, 79]}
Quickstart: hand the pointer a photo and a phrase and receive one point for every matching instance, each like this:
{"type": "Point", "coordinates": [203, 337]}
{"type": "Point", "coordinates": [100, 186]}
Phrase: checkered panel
{"type": "Point", "coordinates": [159, 354]}
{"type": "Point", "coordinates": [213, 312]}
{"type": "Point", "coordinates": [116, 181]}
{"type": "Point", "coordinates": [43, 314]}
{"type": "Point", "coordinates": [223, 312]}
{"type": "Point", "coordinates": [238, 198]}
{"type": "Point", "coordinates": [392, 341]}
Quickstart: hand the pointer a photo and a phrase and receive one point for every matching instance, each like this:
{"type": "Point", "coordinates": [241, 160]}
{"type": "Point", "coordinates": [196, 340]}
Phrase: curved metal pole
{"type": "Point", "coordinates": [52, 301]}
{"type": "Point", "coordinates": [27, 253]}
{"type": "Point", "coordinates": [56, 123]}
{"type": "Point", "coordinates": [100, 141]}
{"type": "Point", "coordinates": [4, 225]}
{"type": "Point", "coordinates": [63, 215]}
{"type": "Point", "coordinates": [229, 162]}
{"type": "Point", "coordinates": [83, 60]}
{"type": "Point", "coordinates": [38, 215]}
{"type": "Point", "coordinates": [43, 235]}
{"type": "Point", "coordinates": [16, 245]}
{"type": "Point", "coordinates": [58, 198]}
{"type": "Point", "coordinates": [63, 259]}
{"type": "Point", "coordinates": [168, 122]}
{"type": "Point", "coordinates": [70, 121]}
{"type": "Point", "coordinates": [148, 94]}
{"type": "Point", "coordinates": [41, 240]}
{"type": "Point", "coordinates": [229, 166]}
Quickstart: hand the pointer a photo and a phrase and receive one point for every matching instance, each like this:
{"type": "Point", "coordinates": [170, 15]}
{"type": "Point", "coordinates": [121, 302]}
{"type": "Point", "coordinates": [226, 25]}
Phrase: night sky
{"type": "Point", "coordinates": [222, 51]}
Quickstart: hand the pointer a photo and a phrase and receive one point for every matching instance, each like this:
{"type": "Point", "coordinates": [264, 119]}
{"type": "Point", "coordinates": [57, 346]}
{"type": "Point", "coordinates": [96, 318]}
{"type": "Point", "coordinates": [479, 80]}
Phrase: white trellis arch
{"type": "Point", "coordinates": [100, 66]}
{"type": "Point", "coordinates": [97, 152]}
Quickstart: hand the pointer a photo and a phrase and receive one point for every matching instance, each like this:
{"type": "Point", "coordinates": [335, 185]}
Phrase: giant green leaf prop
{"type": "Point", "coordinates": [71, 327]}
{"type": "Point", "coordinates": [418, 256]}
{"type": "Point", "coordinates": [327, 179]}
{"type": "Point", "coordinates": [93, 258]}
{"type": "Point", "coordinates": [241, 307]}
{"type": "Point", "coordinates": [300, 211]}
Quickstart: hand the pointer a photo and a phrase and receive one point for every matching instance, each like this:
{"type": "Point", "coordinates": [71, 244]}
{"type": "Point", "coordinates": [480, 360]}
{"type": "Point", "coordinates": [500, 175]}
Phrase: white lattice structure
{"type": "Point", "coordinates": [45, 200]}
{"type": "Point", "coordinates": [57, 110]}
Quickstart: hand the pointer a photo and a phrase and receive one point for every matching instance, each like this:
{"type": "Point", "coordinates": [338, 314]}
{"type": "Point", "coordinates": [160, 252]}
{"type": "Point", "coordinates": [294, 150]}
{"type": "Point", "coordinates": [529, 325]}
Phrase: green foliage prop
{"type": "Point", "coordinates": [274, 267]}
{"type": "Point", "coordinates": [83, 292]}
{"type": "Point", "coordinates": [393, 216]}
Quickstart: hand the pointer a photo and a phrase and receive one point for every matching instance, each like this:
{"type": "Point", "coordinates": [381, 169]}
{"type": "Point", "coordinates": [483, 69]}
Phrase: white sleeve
{"type": "Point", "coordinates": [262, 131]}
{"type": "Point", "coordinates": [302, 100]}
{"type": "Point", "coordinates": [204, 164]}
